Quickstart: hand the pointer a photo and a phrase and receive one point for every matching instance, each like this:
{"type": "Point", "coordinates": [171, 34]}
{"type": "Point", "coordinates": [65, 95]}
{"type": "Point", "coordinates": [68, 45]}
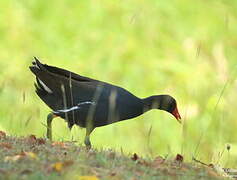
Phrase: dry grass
{"type": "Point", "coordinates": [38, 158]}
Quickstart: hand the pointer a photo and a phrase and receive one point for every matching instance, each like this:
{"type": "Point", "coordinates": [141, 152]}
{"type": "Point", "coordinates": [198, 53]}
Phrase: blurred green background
{"type": "Point", "coordinates": [179, 47]}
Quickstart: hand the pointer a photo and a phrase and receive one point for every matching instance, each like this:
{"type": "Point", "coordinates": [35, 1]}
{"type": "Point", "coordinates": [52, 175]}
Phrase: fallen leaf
{"type": "Point", "coordinates": [179, 158]}
{"type": "Point", "coordinates": [2, 135]}
{"type": "Point", "coordinates": [87, 178]}
{"type": "Point", "coordinates": [13, 158]}
{"type": "Point", "coordinates": [135, 157]}
{"type": "Point", "coordinates": [60, 144]}
{"type": "Point", "coordinates": [20, 156]}
{"type": "Point", "coordinates": [6, 145]}
{"type": "Point", "coordinates": [40, 141]}
{"type": "Point", "coordinates": [31, 155]}
{"type": "Point", "coordinates": [32, 139]}
{"type": "Point", "coordinates": [59, 166]}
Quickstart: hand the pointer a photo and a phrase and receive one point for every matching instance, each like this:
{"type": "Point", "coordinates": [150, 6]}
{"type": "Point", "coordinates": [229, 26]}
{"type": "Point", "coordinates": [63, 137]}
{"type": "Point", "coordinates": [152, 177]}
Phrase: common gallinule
{"type": "Point", "coordinates": [90, 103]}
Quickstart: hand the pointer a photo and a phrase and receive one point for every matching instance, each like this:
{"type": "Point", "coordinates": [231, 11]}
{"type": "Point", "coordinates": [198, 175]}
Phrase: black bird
{"type": "Point", "coordinates": [90, 103]}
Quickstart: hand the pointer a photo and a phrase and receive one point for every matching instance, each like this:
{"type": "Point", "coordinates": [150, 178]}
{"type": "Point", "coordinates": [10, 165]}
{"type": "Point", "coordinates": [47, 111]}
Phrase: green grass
{"type": "Point", "coordinates": [30, 158]}
{"type": "Point", "coordinates": [183, 48]}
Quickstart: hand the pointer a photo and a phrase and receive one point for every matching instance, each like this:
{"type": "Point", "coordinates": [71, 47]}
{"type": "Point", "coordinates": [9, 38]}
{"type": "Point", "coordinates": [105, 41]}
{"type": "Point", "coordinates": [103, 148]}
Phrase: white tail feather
{"type": "Point", "coordinates": [46, 88]}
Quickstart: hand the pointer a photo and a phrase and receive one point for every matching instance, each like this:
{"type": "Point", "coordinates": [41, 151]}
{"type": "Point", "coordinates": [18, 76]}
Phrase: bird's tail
{"type": "Point", "coordinates": [43, 84]}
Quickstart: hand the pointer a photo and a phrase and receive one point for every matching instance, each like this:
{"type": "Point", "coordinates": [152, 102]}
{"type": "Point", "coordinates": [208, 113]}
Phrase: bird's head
{"type": "Point", "coordinates": [164, 102]}
{"type": "Point", "coordinates": [172, 108]}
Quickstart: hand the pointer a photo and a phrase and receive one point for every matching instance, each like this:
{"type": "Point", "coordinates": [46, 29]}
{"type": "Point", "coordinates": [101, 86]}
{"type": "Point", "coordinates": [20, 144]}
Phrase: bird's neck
{"type": "Point", "coordinates": [152, 102]}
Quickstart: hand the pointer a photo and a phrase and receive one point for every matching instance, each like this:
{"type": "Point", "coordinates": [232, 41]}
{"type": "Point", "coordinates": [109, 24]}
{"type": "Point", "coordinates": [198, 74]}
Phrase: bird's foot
{"type": "Point", "coordinates": [49, 134]}
{"type": "Point", "coordinates": [87, 142]}
{"type": "Point", "coordinates": [88, 147]}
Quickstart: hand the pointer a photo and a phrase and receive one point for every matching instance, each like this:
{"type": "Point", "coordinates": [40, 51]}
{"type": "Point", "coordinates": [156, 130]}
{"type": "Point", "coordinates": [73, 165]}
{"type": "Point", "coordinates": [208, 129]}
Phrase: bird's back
{"type": "Point", "coordinates": [64, 90]}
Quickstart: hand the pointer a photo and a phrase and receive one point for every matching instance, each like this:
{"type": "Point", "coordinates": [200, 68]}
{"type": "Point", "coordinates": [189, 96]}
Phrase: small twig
{"type": "Point", "coordinates": [200, 162]}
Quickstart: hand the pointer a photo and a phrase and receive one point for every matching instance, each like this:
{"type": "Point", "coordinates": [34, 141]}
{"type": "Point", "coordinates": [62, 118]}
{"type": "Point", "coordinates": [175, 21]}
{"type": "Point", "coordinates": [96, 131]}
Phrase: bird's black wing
{"type": "Point", "coordinates": [62, 72]}
{"type": "Point", "coordinates": [60, 88]}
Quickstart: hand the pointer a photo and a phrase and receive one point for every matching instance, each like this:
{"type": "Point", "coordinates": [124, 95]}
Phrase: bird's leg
{"type": "Point", "coordinates": [87, 137]}
{"type": "Point", "coordinates": [49, 125]}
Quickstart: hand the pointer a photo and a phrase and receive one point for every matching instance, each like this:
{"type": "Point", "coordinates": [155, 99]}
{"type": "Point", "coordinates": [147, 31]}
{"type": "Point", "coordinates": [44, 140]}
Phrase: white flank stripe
{"type": "Point", "coordinates": [86, 102]}
{"type": "Point", "coordinates": [74, 107]}
{"type": "Point", "coordinates": [67, 110]}
{"type": "Point", "coordinates": [46, 88]}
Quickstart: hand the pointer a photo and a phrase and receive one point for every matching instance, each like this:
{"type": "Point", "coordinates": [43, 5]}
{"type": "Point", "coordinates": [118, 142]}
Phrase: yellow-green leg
{"type": "Point", "coordinates": [87, 137]}
{"type": "Point", "coordinates": [50, 118]}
